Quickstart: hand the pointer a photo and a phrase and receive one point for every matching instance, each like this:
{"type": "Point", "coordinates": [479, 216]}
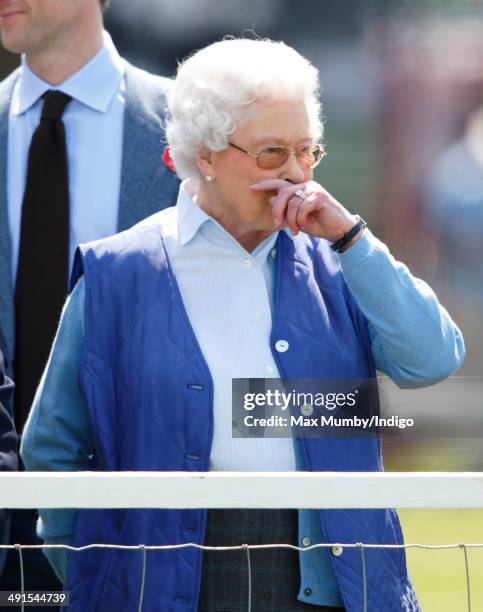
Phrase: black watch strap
{"type": "Point", "coordinates": [347, 237]}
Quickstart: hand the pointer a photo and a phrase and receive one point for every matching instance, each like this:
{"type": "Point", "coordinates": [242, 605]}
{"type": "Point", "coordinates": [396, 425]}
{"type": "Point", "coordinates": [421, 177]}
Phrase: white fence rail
{"type": "Point", "coordinates": [241, 490]}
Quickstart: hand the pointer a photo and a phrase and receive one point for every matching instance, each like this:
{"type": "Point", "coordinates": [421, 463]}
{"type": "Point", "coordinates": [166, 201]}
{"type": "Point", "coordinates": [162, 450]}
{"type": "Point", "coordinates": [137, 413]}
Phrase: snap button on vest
{"type": "Point", "coordinates": [307, 410]}
{"type": "Point", "coordinates": [281, 346]}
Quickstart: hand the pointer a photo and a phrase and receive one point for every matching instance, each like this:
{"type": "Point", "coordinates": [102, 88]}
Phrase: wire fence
{"type": "Point", "coordinates": [222, 490]}
{"type": "Point", "coordinates": [144, 549]}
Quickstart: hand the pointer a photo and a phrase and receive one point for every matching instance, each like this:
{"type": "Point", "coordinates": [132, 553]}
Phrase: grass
{"type": "Point", "coordinates": [439, 575]}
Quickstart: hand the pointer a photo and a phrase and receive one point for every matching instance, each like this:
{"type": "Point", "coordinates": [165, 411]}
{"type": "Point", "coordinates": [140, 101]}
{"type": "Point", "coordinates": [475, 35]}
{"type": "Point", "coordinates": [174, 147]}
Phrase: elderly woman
{"type": "Point", "coordinates": [256, 272]}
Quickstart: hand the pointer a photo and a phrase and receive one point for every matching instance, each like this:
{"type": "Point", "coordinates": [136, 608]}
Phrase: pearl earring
{"type": "Point", "coordinates": [209, 179]}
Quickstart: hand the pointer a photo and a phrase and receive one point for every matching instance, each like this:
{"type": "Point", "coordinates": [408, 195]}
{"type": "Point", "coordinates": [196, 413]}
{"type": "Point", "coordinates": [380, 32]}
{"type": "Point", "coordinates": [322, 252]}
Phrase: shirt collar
{"type": "Point", "coordinates": [95, 84]}
{"type": "Point", "coordinates": [190, 216]}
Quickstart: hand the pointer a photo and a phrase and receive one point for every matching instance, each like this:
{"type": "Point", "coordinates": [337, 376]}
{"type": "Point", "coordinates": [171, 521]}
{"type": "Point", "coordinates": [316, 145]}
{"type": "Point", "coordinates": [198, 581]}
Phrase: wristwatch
{"type": "Point", "coordinates": [347, 237]}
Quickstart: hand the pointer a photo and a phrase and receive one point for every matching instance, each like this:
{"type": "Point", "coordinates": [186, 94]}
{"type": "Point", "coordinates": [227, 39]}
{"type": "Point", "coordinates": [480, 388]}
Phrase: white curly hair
{"type": "Point", "coordinates": [214, 87]}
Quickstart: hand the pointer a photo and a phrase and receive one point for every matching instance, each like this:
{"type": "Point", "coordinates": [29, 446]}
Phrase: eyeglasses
{"type": "Point", "coordinates": [274, 156]}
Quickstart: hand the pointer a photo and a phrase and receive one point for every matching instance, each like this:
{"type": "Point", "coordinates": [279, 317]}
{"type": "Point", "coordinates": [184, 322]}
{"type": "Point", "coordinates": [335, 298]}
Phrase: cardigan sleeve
{"type": "Point", "coordinates": [413, 338]}
{"type": "Point", "coordinates": [57, 434]}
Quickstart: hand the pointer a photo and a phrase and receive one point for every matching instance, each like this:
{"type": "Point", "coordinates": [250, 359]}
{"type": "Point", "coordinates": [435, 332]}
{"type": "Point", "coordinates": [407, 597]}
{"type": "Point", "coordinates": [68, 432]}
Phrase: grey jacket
{"type": "Point", "coordinates": [147, 184]}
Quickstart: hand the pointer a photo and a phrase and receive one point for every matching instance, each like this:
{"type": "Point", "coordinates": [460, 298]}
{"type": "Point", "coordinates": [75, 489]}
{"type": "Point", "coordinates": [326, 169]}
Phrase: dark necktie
{"type": "Point", "coordinates": [42, 274]}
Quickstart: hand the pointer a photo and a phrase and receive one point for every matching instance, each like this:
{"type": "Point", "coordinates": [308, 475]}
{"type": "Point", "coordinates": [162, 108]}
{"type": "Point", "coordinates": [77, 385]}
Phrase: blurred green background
{"type": "Point", "coordinates": [439, 576]}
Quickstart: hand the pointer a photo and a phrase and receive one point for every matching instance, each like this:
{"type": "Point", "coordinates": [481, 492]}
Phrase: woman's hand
{"type": "Point", "coordinates": [319, 214]}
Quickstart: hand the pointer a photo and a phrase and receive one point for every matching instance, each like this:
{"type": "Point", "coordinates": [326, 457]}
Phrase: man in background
{"type": "Point", "coordinates": [80, 158]}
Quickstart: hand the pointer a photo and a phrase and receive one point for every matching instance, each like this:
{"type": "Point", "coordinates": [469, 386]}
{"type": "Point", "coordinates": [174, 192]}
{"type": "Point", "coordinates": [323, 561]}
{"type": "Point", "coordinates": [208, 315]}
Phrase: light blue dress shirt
{"type": "Point", "coordinates": [412, 339]}
{"type": "Point", "coordinates": [93, 122]}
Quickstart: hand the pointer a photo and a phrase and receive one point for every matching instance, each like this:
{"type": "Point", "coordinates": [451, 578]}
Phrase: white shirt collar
{"type": "Point", "coordinates": [190, 216]}
{"type": "Point", "coordinates": [95, 84]}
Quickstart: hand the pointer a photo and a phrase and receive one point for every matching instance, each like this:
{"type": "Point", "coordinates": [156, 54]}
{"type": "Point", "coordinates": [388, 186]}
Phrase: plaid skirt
{"type": "Point", "coordinates": [275, 573]}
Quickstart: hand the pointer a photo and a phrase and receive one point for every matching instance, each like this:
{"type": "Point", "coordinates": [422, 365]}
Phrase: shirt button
{"type": "Point", "coordinates": [337, 551]}
{"type": "Point", "coordinates": [273, 253]}
{"type": "Point", "coordinates": [258, 315]}
{"type": "Point", "coordinates": [306, 541]}
{"type": "Point", "coordinates": [281, 346]}
{"type": "Point", "coordinates": [247, 263]}
{"type": "Point", "coordinates": [308, 592]}
{"type": "Point", "coordinates": [307, 410]}
{"type": "Point", "coordinates": [269, 369]}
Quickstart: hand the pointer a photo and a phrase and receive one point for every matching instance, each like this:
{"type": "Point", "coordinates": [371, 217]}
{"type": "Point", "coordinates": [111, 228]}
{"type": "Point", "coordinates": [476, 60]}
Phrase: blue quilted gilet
{"type": "Point", "coordinates": [149, 395]}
